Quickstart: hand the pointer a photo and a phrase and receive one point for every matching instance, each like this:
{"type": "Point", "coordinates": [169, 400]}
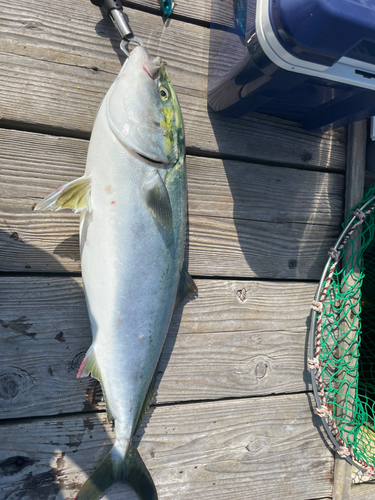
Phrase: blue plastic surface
{"type": "Point", "coordinates": [242, 78]}
{"type": "Point", "coordinates": [323, 31]}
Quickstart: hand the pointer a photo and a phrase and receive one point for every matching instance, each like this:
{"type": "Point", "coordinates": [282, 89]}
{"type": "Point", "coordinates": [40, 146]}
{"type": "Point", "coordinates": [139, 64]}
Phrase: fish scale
{"type": "Point", "coordinates": [133, 202]}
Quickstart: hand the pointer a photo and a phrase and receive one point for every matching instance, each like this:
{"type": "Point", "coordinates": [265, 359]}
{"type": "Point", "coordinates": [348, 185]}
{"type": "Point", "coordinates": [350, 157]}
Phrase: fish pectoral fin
{"type": "Point", "coordinates": [74, 195]}
{"type": "Point", "coordinates": [186, 286]}
{"type": "Point", "coordinates": [157, 200]}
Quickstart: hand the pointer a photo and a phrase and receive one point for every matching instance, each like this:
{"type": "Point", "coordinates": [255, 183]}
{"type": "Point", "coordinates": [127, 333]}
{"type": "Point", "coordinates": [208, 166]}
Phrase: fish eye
{"type": "Point", "coordinates": [163, 92]}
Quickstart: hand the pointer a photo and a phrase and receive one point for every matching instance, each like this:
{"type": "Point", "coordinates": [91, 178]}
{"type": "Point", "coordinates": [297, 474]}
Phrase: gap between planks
{"type": "Point", "coordinates": [55, 87]}
{"type": "Point", "coordinates": [197, 451]}
{"type": "Point", "coordinates": [235, 339]}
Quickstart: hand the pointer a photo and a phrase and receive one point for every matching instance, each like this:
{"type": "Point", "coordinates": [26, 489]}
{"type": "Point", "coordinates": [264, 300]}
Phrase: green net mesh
{"type": "Point", "coordinates": [347, 355]}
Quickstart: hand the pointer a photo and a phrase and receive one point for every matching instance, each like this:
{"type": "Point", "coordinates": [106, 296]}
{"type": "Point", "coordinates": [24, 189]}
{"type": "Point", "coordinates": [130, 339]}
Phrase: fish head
{"type": "Point", "coordinates": [143, 111]}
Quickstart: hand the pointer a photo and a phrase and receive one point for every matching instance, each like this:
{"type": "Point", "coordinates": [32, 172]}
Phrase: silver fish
{"type": "Point", "coordinates": [132, 200]}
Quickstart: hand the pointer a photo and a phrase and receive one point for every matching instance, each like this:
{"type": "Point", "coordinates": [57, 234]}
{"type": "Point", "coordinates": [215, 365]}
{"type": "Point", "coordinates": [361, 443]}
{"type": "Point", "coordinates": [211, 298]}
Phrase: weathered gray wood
{"type": "Point", "coordinates": [355, 181]}
{"type": "Point", "coordinates": [355, 164]}
{"type": "Point", "coordinates": [369, 178]}
{"type": "Point", "coordinates": [255, 215]}
{"type": "Point", "coordinates": [54, 74]}
{"type": "Point", "coordinates": [235, 339]}
{"type": "Point", "coordinates": [362, 491]}
{"type": "Point", "coordinates": [230, 450]}
{"type": "Point", "coordinates": [33, 164]}
{"type": "Point", "coordinates": [223, 12]}
{"type": "Point", "coordinates": [200, 10]}
{"type": "Point", "coordinates": [216, 246]}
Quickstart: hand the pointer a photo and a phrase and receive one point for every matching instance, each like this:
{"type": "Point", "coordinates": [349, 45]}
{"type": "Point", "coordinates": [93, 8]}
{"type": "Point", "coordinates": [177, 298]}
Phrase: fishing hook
{"type": "Point", "coordinates": [124, 45]}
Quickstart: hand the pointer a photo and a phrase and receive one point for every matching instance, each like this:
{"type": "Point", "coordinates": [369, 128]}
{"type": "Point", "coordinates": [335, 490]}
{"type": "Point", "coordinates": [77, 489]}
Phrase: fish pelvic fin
{"type": "Point", "coordinates": [74, 195]}
{"type": "Point", "coordinates": [130, 470]}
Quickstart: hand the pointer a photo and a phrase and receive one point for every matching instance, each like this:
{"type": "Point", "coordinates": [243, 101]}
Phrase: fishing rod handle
{"type": "Point", "coordinates": [113, 9]}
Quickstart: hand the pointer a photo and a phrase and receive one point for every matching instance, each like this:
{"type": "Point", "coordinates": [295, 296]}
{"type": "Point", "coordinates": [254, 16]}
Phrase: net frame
{"type": "Point", "coordinates": [343, 448]}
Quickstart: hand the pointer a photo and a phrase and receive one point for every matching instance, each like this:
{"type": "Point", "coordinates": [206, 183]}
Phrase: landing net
{"type": "Point", "coordinates": [343, 339]}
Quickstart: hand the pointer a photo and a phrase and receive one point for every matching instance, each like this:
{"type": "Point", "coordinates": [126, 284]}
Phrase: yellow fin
{"type": "Point", "coordinates": [74, 195]}
{"type": "Point", "coordinates": [89, 366]}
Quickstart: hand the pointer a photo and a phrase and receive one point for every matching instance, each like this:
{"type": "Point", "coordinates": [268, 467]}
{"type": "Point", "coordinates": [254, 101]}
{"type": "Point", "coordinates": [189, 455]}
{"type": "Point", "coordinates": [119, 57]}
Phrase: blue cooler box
{"type": "Point", "coordinates": [309, 60]}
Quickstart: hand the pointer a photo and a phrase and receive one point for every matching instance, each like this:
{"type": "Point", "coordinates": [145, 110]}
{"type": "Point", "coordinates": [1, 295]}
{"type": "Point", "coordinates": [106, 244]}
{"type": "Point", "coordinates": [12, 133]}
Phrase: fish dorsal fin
{"type": "Point", "coordinates": [186, 286]}
{"type": "Point", "coordinates": [89, 367]}
{"type": "Point", "coordinates": [74, 195]}
{"type": "Point", "coordinates": [157, 200]}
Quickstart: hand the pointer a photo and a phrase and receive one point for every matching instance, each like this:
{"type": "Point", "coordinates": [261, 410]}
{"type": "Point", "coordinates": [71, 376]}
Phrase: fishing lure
{"type": "Point", "coordinates": [166, 7]}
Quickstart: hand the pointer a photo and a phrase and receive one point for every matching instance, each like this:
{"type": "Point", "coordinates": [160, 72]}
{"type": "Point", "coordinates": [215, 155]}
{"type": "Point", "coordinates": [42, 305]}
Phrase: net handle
{"type": "Point", "coordinates": [344, 233]}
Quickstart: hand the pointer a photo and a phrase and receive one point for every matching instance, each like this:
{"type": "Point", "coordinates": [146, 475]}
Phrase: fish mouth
{"type": "Point", "coordinates": [152, 67]}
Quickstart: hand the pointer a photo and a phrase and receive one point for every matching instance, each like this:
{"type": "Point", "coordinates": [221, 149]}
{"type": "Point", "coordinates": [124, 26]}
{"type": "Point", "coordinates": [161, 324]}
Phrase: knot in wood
{"type": "Point", "coordinates": [292, 264]}
{"type": "Point", "coordinates": [257, 444]}
{"type": "Point", "coordinates": [261, 370]}
{"type": "Point", "coordinates": [14, 381]}
{"type": "Point", "coordinates": [241, 295]}
{"type": "Point", "coordinates": [10, 385]}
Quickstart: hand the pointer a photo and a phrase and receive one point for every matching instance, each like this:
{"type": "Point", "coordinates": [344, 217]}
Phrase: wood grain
{"type": "Point", "coordinates": [354, 188]}
{"type": "Point", "coordinates": [203, 11]}
{"type": "Point", "coordinates": [200, 10]}
{"type": "Point", "coordinates": [223, 450]}
{"type": "Point", "coordinates": [54, 75]}
{"type": "Point", "coordinates": [267, 221]}
{"type": "Point", "coordinates": [32, 164]}
{"type": "Point", "coordinates": [216, 246]}
{"type": "Point", "coordinates": [362, 491]}
{"type": "Point", "coordinates": [235, 339]}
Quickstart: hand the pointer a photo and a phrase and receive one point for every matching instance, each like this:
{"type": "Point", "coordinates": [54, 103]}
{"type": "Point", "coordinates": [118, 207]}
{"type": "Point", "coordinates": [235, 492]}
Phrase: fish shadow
{"type": "Point", "coordinates": [49, 417]}
{"type": "Point", "coordinates": [44, 334]}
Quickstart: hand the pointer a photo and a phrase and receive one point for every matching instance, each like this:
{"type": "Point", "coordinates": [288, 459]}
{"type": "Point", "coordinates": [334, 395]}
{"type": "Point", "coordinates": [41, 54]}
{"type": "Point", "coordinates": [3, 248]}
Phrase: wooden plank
{"type": "Point", "coordinates": [32, 164]}
{"type": "Point", "coordinates": [355, 182]}
{"type": "Point", "coordinates": [216, 246]}
{"type": "Point", "coordinates": [54, 74]}
{"type": "Point", "coordinates": [364, 491]}
{"type": "Point", "coordinates": [369, 178]}
{"type": "Point", "coordinates": [235, 209]}
{"type": "Point", "coordinates": [200, 10]}
{"type": "Point", "coordinates": [229, 450]}
{"type": "Point", "coordinates": [235, 339]}
{"type": "Point", "coordinates": [355, 165]}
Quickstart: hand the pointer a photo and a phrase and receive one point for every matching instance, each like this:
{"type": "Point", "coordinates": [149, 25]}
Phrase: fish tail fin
{"type": "Point", "coordinates": [130, 470]}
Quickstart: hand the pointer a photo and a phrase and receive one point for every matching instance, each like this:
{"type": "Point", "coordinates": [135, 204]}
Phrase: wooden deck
{"type": "Point", "coordinates": [232, 417]}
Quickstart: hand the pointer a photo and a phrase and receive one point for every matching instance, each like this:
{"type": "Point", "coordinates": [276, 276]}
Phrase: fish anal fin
{"type": "Point", "coordinates": [89, 367]}
{"type": "Point", "coordinates": [186, 287]}
{"type": "Point", "coordinates": [157, 200]}
{"type": "Point", "coordinates": [74, 195]}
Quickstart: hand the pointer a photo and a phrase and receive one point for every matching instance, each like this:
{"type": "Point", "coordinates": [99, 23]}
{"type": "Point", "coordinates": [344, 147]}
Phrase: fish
{"type": "Point", "coordinates": [132, 201]}
{"type": "Point", "coordinates": [166, 6]}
